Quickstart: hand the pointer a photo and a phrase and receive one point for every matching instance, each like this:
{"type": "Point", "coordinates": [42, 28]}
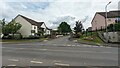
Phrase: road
{"type": "Point", "coordinates": [60, 52]}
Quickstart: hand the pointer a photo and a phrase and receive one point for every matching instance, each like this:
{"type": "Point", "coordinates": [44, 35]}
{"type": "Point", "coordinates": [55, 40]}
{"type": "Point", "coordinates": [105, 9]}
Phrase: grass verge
{"type": "Point", "coordinates": [91, 38]}
{"type": "Point", "coordinates": [23, 40]}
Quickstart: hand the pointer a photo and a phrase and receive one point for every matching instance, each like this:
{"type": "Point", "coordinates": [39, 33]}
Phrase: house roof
{"type": "Point", "coordinates": [32, 21]}
{"type": "Point", "coordinates": [47, 27]}
{"type": "Point", "coordinates": [111, 14]}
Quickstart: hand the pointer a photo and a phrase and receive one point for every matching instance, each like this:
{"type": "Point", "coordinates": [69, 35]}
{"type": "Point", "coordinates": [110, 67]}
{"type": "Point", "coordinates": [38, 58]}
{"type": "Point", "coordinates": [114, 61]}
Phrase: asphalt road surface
{"type": "Point", "coordinates": [61, 52]}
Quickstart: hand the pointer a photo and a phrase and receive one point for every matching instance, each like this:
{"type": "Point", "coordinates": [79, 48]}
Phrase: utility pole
{"type": "Point", "coordinates": [106, 20]}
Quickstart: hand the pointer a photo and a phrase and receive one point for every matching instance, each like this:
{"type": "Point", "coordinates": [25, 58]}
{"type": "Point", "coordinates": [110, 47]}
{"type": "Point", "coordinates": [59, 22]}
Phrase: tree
{"type": "Point", "coordinates": [10, 28]}
{"type": "Point", "coordinates": [14, 26]}
{"type": "Point", "coordinates": [64, 28]}
{"type": "Point", "coordinates": [3, 27]}
{"type": "Point", "coordinates": [79, 27]}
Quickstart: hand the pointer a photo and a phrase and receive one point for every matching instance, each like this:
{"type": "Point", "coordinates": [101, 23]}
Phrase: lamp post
{"type": "Point", "coordinates": [106, 21]}
{"type": "Point", "coordinates": [106, 16]}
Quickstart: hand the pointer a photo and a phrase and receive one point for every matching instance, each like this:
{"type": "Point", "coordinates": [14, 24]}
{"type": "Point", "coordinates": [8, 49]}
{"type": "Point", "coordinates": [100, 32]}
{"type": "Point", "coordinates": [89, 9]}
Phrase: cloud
{"type": "Point", "coordinates": [52, 12]}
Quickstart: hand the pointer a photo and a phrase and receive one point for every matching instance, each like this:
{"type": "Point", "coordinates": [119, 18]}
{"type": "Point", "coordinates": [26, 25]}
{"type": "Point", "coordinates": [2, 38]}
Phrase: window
{"type": "Point", "coordinates": [109, 19]}
{"type": "Point", "coordinates": [117, 20]}
{"type": "Point", "coordinates": [34, 27]}
{"type": "Point", "coordinates": [32, 31]}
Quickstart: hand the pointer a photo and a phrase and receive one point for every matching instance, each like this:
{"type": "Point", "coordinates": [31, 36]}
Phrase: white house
{"type": "Point", "coordinates": [31, 27]}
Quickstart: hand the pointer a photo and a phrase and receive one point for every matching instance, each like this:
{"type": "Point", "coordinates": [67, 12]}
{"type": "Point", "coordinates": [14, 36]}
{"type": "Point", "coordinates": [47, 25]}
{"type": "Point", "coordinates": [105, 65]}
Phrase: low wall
{"type": "Point", "coordinates": [112, 36]}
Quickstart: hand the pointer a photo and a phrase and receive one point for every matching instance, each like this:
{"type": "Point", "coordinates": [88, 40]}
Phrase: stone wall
{"type": "Point", "coordinates": [112, 36]}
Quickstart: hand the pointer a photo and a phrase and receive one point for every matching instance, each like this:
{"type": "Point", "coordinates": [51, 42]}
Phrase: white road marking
{"type": "Point", "coordinates": [95, 46]}
{"type": "Point", "coordinates": [108, 47]}
{"type": "Point", "coordinates": [73, 45]}
{"type": "Point", "coordinates": [62, 64]}
{"type": "Point", "coordinates": [38, 62]}
{"type": "Point", "coordinates": [68, 45]}
{"type": "Point", "coordinates": [13, 60]}
{"type": "Point", "coordinates": [87, 45]}
{"type": "Point", "coordinates": [74, 40]}
{"type": "Point", "coordinates": [101, 46]}
{"type": "Point", "coordinates": [56, 61]}
{"type": "Point", "coordinates": [45, 40]}
{"type": "Point", "coordinates": [78, 45]}
{"type": "Point", "coordinates": [11, 65]}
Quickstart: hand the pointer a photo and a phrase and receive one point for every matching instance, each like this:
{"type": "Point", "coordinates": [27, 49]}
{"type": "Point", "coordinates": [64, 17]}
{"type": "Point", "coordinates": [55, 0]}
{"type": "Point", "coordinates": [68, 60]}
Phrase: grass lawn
{"type": "Point", "coordinates": [24, 40]}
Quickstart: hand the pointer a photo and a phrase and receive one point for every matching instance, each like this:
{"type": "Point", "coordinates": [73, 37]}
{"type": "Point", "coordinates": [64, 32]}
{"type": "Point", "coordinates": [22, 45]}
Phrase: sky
{"type": "Point", "coordinates": [53, 12]}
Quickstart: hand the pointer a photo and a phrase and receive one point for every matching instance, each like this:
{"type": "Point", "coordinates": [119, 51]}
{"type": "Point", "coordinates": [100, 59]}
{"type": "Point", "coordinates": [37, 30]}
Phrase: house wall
{"type": "Point", "coordinates": [46, 31]}
{"type": "Point", "coordinates": [110, 21]}
{"type": "Point", "coordinates": [26, 26]}
{"type": "Point", "coordinates": [34, 27]}
{"type": "Point", "coordinates": [99, 22]}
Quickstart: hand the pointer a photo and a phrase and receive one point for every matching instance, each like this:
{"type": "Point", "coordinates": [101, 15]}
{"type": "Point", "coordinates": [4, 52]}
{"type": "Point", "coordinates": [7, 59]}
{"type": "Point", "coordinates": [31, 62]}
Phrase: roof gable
{"type": "Point", "coordinates": [32, 21]}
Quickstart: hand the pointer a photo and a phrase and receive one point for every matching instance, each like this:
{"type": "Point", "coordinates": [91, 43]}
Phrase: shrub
{"type": "Point", "coordinates": [33, 37]}
{"type": "Point", "coordinates": [7, 37]}
{"type": "Point", "coordinates": [47, 36]}
{"type": "Point", "coordinates": [11, 36]}
{"type": "Point", "coordinates": [17, 36]}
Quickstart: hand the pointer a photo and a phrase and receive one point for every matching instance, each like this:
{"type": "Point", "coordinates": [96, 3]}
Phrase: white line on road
{"type": "Point", "coordinates": [95, 46]}
{"type": "Point", "coordinates": [41, 49]}
{"type": "Point", "coordinates": [62, 64]}
{"type": "Point", "coordinates": [78, 45]}
{"type": "Point", "coordinates": [73, 45]}
{"type": "Point", "coordinates": [13, 60]}
{"type": "Point", "coordinates": [68, 45]}
{"type": "Point", "coordinates": [87, 45]}
{"type": "Point", "coordinates": [56, 61]}
{"type": "Point", "coordinates": [38, 62]}
{"type": "Point", "coordinates": [11, 65]}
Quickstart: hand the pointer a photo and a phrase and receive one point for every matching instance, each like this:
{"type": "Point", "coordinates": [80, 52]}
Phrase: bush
{"type": "Point", "coordinates": [47, 36]}
{"type": "Point", "coordinates": [7, 37]}
{"type": "Point", "coordinates": [10, 36]}
{"type": "Point", "coordinates": [33, 37]}
{"type": "Point", "coordinates": [17, 36]}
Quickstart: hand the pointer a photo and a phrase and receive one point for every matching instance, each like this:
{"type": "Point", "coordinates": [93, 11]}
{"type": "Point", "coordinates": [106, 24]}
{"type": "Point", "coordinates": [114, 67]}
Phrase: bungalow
{"type": "Point", "coordinates": [98, 21]}
{"type": "Point", "coordinates": [31, 27]}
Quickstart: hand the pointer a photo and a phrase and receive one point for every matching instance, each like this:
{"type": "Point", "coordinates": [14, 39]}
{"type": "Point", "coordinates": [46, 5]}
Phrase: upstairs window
{"type": "Point", "coordinates": [117, 19]}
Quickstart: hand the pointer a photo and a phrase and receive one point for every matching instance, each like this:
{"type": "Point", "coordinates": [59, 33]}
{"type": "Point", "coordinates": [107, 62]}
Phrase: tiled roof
{"type": "Point", "coordinates": [32, 21]}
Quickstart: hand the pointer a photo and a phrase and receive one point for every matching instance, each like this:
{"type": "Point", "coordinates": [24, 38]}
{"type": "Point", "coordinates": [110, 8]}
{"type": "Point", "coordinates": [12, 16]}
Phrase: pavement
{"type": "Point", "coordinates": [58, 52]}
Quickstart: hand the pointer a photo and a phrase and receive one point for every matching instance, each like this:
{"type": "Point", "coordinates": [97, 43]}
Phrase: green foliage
{"type": "Point", "coordinates": [14, 26]}
{"type": "Point", "coordinates": [64, 28]}
{"type": "Point", "coordinates": [2, 24]}
{"type": "Point", "coordinates": [114, 27]}
{"type": "Point", "coordinates": [79, 27]}
{"type": "Point", "coordinates": [10, 28]}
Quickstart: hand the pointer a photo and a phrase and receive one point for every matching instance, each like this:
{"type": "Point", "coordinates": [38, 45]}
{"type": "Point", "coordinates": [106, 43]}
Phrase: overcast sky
{"type": "Point", "coordinates": [52, 12]}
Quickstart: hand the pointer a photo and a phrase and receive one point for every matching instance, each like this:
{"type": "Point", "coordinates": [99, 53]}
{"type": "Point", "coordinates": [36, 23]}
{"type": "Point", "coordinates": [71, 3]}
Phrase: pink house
{"type": "Point", "coordinates": [98, 21]}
